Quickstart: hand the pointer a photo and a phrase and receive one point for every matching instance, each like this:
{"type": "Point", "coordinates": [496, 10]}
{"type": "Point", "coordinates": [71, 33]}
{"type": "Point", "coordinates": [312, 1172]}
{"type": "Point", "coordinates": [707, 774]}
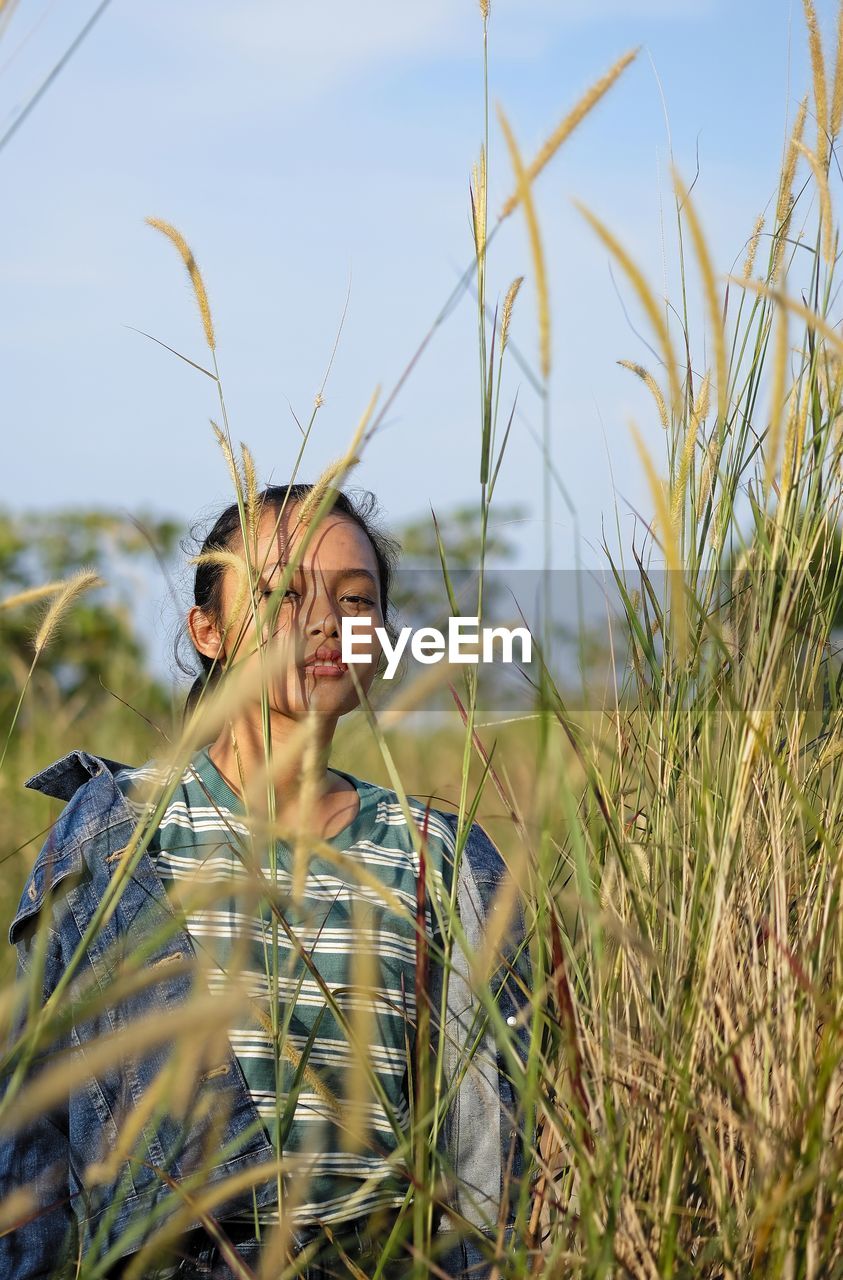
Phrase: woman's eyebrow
{"type": "Point", "coordinates": [337, 573]}
{"type": "Point", "coordinates": [358, 573]}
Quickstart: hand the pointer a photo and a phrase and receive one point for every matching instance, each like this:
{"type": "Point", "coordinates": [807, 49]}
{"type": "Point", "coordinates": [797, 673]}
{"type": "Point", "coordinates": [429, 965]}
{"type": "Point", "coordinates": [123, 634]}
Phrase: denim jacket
{"type": "Point", "coordinates": [483, 1129]}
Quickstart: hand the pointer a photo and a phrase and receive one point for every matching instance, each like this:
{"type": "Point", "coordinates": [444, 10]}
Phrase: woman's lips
{"type": "Point", "coordinates": [322, 667]}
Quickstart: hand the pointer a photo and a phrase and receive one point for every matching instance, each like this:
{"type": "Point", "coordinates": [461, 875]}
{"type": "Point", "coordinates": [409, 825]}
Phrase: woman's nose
{"type": "Point", "coordinates": [324, 616]}
{"type": "Point", "coordinates": [328, 625]}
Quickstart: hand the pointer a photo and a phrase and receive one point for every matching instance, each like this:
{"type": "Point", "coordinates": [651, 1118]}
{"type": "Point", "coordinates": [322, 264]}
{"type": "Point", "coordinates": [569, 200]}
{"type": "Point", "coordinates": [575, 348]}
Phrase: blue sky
{"type": "Point", "coordinates": [305, 149]}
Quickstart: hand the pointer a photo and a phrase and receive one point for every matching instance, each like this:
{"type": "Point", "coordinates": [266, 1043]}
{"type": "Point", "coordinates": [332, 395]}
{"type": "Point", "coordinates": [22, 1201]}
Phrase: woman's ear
{"type": "Point", "coordinates": [204, 633]}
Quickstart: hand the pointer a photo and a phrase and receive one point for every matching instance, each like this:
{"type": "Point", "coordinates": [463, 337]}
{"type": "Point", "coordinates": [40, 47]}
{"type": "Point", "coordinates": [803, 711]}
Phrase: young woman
{"type": "Point", "coordinates": [337, 898]}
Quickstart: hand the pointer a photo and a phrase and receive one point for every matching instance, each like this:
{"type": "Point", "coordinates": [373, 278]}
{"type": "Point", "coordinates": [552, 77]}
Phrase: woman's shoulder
{"type": "Point", "coordinates": [62, 779]}
{"type": "Point", "coordinates": [87, 784]}
{"type": "Point", "coordinates": [93, 813]}
{"type": "Point", "coordinates": [92, 786]}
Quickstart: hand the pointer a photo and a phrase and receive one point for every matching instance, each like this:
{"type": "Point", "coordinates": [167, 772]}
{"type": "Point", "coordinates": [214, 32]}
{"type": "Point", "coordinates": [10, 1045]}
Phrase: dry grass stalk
{"type": "Point", "coordinates": [698, 414]}
{"type": "Point", "coordinates": [789, 169]}
{"type": "Point", "coordinates": [228, 454]}
{"type": "Point", "coordinates": [334, 474]}
{"type": "Point", "coordinates": [784, 203]}
{"type": "Point", "coordinates": [82, 581]}
{"type": "Point", "coordinates": [487, 959]}
{"type": "Point", "coordinates": [821, 179]}
{"type": "Point", "coordinates": [647, 299]}
{"type": "Point", "coordinates": [820, 88]}
{"type": "Point", "coordinates": [200, 1205]}
{"type": "Point", "coordinates": [794, 437]}
{"type": "Point", "coordinates": [478, 203]}
{"type": "Point", "coordinates": [293, 1056]}
{"type": "Point", "coordinates": [250, 478]}
{"type": "Point", "coordinates": [67, 1074]}
{"type": "Point", "coordinates": [365, 980]}
{"type": "Point", "coordinates": [752, 250]}
{"type": "Point", "coordinates": [17, 1204]}
{"type": "Point", "coordinates": [101, 1172]}
{"type": "Point", "coordinates": [655, 390]}
{"type": "Point", "coordinates": [277, 1244]}
{"type": "Point", "coordinates": [670, 543]}
{"type": "Point", "coordinates": [307, 806]}
{"type": "Point", "coordinates": [508, 304]}
{"type": "Point", "coordinates": [567, 125]}
{"type": "Point", "coordinates": [777, 399]}
{"type": "Point", "coordinates": [193, 271]}
{"type": "Point", "coordinates": [702, 404]}
{"type": "Point", "coordinates": [330, 479]}
{"type": "Point", "coordinates": [660, 502]}
{"type": "Point", "coordinates": [712, 300]}
{"type": "Point", "coordinates": [525, 195]}
{"type": "Point", "coordinates": [230, 560]}
{"type": "Point", "coordinates": [677, 502]}
{"type": "Point", "coordinates": [31, 595]}
{"type": "Point", "coordinates": [814, 321]}
{"type": "Point", "coordinates": [836, 115]}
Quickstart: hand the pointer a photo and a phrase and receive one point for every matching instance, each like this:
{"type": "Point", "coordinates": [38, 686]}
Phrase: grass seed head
{"type": "Point", "coordinates": [702, 403]}
{"type": "Point", "coordinates": [815, 48]}
{"type": "Point", "coordinates": [523, 181]}
{"type": "Point", "coordinates": [821, 179]}
{"type": "Point", "coordinates": [651, 304]}
{"type": "Point", "coordinates": [677, 501]}
{"type": "Point", "coordinates": [31, 594]}
{"type": "Point", "coordinates": [784, 204]}
{"type": "Point", "coordinates": [193, 271]}
{"type": "Point", "coordinates": [331, 478]}
{"type": "Point", "coordinates": [478, 203]}
{"type": "Point", "coordinates": [83, 580]}
{"type": "Point", "coordinates": [752, 249]}
{"type": "Point", "coordinates": [250, 477]}
{"type": "Point", "coordinates": [655, 390]}
{"type": "Point", "coordinates": [508, 304]}
{"type": "Point", "coordinates": [228, 454]}
{"type": "Point", "coordinates": [836, 116]}
{"type": "Point", "coordinates": [710, 291]}
{"type": "Point", "coordinates": [569, 123]}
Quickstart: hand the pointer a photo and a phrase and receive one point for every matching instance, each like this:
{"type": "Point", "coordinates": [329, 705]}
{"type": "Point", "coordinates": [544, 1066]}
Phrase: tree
{"type": "Point", "coordinates": [97, 638]}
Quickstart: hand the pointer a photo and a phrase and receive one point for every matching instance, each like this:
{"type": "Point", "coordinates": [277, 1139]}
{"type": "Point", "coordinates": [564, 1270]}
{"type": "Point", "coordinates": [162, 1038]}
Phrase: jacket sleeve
{"type": "Point", "coordinates": [37, 1217]}
{"type": "Point", "coordinates": [483, 1137]}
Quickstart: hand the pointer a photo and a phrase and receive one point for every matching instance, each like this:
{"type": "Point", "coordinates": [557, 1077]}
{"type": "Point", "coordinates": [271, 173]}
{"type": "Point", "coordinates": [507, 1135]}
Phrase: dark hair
{"type": "Point", "coordinates": [207, 586]}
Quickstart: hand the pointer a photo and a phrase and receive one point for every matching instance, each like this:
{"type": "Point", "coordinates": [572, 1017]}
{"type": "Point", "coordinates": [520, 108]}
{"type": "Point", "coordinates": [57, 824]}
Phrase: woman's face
{"type": "Point", "coordinates": [337, 576]}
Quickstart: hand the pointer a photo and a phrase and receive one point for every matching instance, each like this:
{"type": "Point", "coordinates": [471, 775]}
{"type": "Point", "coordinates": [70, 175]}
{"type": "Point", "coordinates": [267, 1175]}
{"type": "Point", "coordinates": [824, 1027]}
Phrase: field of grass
{"type": "Point", "coordinates": [676, 845]}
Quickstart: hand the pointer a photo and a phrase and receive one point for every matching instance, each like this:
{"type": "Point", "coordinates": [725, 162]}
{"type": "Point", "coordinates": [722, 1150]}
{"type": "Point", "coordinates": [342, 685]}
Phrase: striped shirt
{"type": "Point", "coordinates": [353, 914]}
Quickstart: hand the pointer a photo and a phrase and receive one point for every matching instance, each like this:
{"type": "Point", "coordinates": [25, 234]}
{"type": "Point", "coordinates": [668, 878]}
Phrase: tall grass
{"type": "Point", "coordinates": [675, 847]}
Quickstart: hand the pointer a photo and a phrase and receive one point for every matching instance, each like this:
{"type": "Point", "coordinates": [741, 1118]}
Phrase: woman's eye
{"type": "Point", "coordinates": [360, 600]}
{"type": "Point", "coordinates": [267, 592]}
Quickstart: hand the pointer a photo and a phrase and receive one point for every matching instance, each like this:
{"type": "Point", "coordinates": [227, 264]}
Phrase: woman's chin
{"type": "Point", "coordinates": [329, 697]}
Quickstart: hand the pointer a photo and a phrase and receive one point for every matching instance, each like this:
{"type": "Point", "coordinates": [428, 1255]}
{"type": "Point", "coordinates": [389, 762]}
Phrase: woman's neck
{"type": "Point", "coordinates": [298, 763]}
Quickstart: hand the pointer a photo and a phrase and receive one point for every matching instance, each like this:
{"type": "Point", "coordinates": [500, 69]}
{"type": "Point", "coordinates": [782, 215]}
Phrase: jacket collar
{"type": "Point", "coordinates": [64, 777]}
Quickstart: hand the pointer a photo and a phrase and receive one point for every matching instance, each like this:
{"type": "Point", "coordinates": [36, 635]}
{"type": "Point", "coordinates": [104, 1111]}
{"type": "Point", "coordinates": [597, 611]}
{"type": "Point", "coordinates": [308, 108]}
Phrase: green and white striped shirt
{"type": "Point", "coordinates": [355, 919]}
